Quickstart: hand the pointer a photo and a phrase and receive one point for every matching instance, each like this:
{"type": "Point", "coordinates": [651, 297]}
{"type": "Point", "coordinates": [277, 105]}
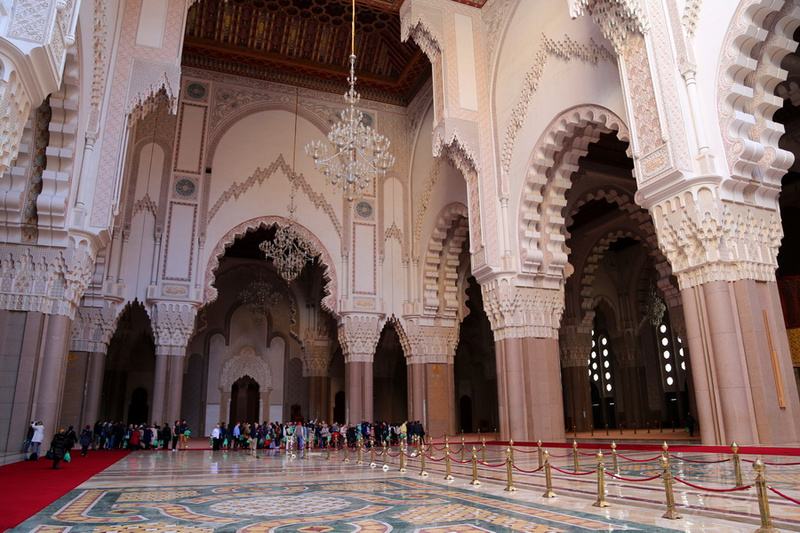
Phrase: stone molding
{"type": "Point", "coordinates": [173, 325]}
{"type": "Point", "coordinates": [617, 19]}
{"type": "Point", "coordinates": [707, 239]}
{"type": "Point", "coordinates": [358, 336]}
{"type": "Point", "coordinates": [440, 267]}
{"type": "Point", "coordinates": [522, 312]}
{"type": "Point", "coordinates": [317, 357]}
{"type": "Point", "coordinates": [92, 329]}
{"type": "Point", "coordinates": [46, 280]}
{"type": "Point", "coordinates": [428, 341]}
{"type": "Point", "coordinates": [423, 24]}
{"type": "Point", "coordinates": [245, 362]}
{"type": "Point", "coordinates": [15, 101]}
{"type": "Point", "coordinates": [575, 347]}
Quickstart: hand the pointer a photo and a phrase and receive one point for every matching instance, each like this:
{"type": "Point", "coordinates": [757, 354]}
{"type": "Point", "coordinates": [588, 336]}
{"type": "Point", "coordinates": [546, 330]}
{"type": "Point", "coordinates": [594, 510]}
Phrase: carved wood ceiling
{"type": "Point", "coordinates": [307, 43]}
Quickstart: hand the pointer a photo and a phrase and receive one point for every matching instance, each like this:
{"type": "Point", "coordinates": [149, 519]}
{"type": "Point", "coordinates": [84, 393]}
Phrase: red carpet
{"type": "Point", "coordinates": [27, 487]}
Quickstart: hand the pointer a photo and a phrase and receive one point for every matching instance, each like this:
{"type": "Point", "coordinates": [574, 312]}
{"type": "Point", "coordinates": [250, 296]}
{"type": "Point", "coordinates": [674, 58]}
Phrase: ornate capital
{"type": "Point", "coordinates": [173, 324]}
{"type": "Point", "coordinates": [92, 329]}
{"type": "Point", "coordinates": [575, 347]}
{"type": "Point", "coordinates": [617, 19]}
{"type": "Point", "coordinates": [520, 312]}
{"type": "Point", "coordinates": [245, 362]}
{"type": "Point", "coordinates": [430, 341]}
{"type": "Point", "coordinates": [423, 24]}
{"type": "Point", "coordinates": [708, 239]}
{"type": "Point", "coordinates": [358, 336]}
{"type": "Point", "coordinates": [317, 357]}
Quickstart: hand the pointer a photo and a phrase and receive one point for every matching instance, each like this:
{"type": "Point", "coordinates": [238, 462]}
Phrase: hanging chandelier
{"type": "Point", "coordinates": [361, 154]}
{"type": "Point", "coordinates": [259, 297]}
{"type": "Point", "coordinates": [290, 250]}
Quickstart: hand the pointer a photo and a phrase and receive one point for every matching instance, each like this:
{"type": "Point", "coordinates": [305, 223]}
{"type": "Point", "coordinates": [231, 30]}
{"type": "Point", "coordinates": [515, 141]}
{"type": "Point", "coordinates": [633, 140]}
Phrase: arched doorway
{"type": "Point", "coordinates": [390, 377]}
{"type": "Point", "coordinates": [244, 400]}
{"type": "Point", "coordinates": [138, 408]}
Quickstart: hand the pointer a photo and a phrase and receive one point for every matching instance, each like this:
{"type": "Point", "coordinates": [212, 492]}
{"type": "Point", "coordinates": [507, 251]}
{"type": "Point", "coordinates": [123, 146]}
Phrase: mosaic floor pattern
{"type": "Point", "coordinates": [203, 491]}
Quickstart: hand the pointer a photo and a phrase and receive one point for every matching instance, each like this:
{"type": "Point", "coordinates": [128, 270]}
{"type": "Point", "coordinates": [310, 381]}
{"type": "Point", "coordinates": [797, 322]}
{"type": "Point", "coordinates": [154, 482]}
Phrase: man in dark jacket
{"type": "Point", "coordinates": [59, 445]}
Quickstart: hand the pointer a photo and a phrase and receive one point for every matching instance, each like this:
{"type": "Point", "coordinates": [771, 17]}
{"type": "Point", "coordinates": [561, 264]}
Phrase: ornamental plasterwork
{"type": "Point", "coordinates": [232, 99]}
{"type": "Point", "coordinates": [619, 20]}
{"type": "Point", "coordinates": [145, 204]}
{"type": "Point", "coordinates": [430, 343]}
{"type": "Point", "coordinates": [92, 329]}
{"type": "Point", "coordinates": [329, 301]}
{"type": "Point", "coordinates": [574, 347]}
{"type": "Point", "coordinates": [691, 14]}
{"type": "Point", "coordinates": [31, 20]}
{"type": "Point", "coordinates": [522, 312]}
{"type": "Point", "coordinates": [568, 50]}
{"type": "Point", "coordinates": [745, 108]}
{"type": "Point", "coordinates": [706, 239]}
{"type": "Point", "coordinates": [45, 280]}
{"type": "Point", "coordinates": [99, 32]}
{"type": "Point", "coordinates": [422, 24]}
{"type": "Point", "coordinates": [440, 269]}
{"type": "Point", "coordinates": [358, 337]}
{"type": "Point", "coordinates": [173, 324]}
{"type": "Point", "coordinates": [423, 203]}
{"type": "Point", "coordinates": [317, 358]}
{"type": "Point", "coordinates": [494, 18]}
{"type": "Point", "coordinates": [16, 106]}
{"type": "Point", "coordinates": [393, 232]}
{"type": "Point", "coordinates": [243, 363]}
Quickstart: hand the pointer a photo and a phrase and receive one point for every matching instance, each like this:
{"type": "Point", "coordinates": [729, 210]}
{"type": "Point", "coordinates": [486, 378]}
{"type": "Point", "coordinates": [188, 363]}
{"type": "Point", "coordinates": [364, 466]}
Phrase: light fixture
{"type": "Point", "coordinates": [289, 249]}
{"type": "Point", "coordinates": [259, 297]}
{"type": "Point", "coordinates": [361, 154]}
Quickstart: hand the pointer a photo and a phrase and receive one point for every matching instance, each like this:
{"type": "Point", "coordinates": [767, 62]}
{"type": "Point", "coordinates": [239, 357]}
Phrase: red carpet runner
{"type": "Point", "coordinates": [27, 487]}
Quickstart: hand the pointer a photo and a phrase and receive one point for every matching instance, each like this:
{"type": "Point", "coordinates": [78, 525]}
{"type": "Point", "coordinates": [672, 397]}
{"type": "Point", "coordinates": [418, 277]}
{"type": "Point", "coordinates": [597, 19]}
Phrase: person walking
{"type": "Point", "coordinates": [216, 438]}
{"type": "Point", "coordinates": [36, 440]}
{"type": "Point", "coordinates": [60, 445]}
{"type": "Point", "coordinates": [86, 440]}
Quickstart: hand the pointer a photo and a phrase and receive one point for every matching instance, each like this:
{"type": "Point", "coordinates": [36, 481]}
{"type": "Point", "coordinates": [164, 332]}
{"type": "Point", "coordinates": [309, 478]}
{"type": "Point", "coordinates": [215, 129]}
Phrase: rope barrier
{"type": "Point", "coordinates": [572, 473]}
{"type": "Point", "coordinates": [698, 487]}
{"type": "Point", "coordinates": [586, 453]}
{"type": "Point", "coordinates": [518, 469]}
{"type": "Point", "coordinates": [560, 456]}
{"type": "Point", "coordinates": [701, 462]}
{"type": "Point", "coordinates": [638, 460]}
{"type": "Point", "coordinates": [782, 495]}
{"type": "Point", "coordinates": [771, 464]}
{"type": "Point", "coordinates": [633, 480]}
{"type": "Point", "coordinates": [524, 451]}
{"type": "Point", "coordinates": [491, 465]}
{"type": "Point", "coordinates": [435, 460]}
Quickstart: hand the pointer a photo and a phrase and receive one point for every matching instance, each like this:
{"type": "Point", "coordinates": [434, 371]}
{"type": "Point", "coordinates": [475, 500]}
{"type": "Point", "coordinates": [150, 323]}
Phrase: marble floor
{"type": "Point", "coordinates": [202, 491]}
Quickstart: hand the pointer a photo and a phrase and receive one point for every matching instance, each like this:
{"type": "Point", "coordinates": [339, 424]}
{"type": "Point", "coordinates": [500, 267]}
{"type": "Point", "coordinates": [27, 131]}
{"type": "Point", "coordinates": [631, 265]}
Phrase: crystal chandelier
{"type": "Point", "coordinates": [361, 154]}
{"type": "Point", "coordinates": [259, 297]}
{"type": "Point", "coordinates": [654, 307]}
{"type": "Point", "coordinates": [289, 249]}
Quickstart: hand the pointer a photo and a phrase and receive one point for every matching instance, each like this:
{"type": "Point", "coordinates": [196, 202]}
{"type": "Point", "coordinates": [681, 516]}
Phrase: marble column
{"type": "Point", "coordinates": [94, 387]}
{"type": "Point", "coordinates": [576, 347]}
{"type": "Point", "coordinates": [49, 390]}
{"type": "Point", "coordinates": [358, 337]}
{"type": "Point", "coordinates": [175, 388]}
{"type": "Point", "coordinates": [159, 384]}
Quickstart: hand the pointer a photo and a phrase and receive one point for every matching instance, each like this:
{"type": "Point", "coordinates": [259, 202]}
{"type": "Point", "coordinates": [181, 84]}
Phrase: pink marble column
{"type": "Point", "coordinates": [173, 411]}
{"type": "Point", "coordinates": [352, 385]}
{"type": "Point", "coordinates": [418, 390]}
{"type": "Point", "coordinates": [542, 379]}
{"type": "Point", "coordinates": [94, 386]}
{"type": "Point", "coordinates": [47, 406]}
{"type": "Point", "coordinates": [578, 396]}
{"type": "Point", "coordinates": [159, 388]}
{"type": "Point", "coordinates": [367, 386]}
{"type": "Point", "coordinates": [514, 389]}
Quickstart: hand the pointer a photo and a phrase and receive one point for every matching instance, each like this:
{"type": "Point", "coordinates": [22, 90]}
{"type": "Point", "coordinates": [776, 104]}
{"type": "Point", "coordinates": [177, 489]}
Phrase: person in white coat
{"type": "Point", "coordinates": [36, 440]}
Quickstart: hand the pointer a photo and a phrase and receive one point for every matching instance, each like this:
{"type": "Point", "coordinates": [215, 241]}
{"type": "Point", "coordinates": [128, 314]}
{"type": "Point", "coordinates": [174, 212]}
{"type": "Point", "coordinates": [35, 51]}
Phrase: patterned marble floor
{"type": "Point", "coordinates": [204, 491]}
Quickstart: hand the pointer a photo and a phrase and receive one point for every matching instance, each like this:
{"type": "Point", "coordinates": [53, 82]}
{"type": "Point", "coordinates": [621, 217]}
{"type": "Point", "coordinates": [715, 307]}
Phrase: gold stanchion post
{"type": "Point", "coordinates": [360, 453]}
{"type": "Point", "coordinates": [574, 431]}
{"type": "Point", "coordinates": [575, 461]}
{"type": "Point", "coordinates": [483, 450]}
{"type": "Point", "coordinates": [763, 500]}
{"type": "Point", "coordinates": [372, 463]}
{"type": "Point", "coordinates": [307, 454]}
{"type": "Point", "coordinates": [474, 468]}
{"type": "Point", "coordinates": [672, 513]}
{"type": "Point", "coordinates": [511, 445]}
{"type": "Point", "coordinates": [539, 454]}
{"type": "Point", "coordinates": [606, 429]}
{"type": "Point", "coordinates": [548, 493]}
{"type": "Point", "coordinates": [422, 471]}
{"type": "Point", "coordinates": [402, 458]}
{"type": "Point", "coordinates": [737, 465]}
{"type": "Point", "coordinates": [509, 472]}
{"type": "Point", "coordinates": [447, 473]}
{"type": "Point", "coordinates": [601, 483]}
{"type": "Point", "coordinates": [328, 452]}
{"type": "Point", "coordinates": [463, 446]}
{"type": "Point", "coordinates": [614, 457]}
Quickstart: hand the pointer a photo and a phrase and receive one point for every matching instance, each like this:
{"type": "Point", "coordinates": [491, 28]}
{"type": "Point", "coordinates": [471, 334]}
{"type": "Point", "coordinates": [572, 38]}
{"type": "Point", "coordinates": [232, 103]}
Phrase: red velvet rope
{"type": "Point", "coordinates": [587, 453]}
{"type": "Point", "coordinates": [460, 462]}
{"type": "Point", "coordinates": [734, 489]}
{"type": "Point", "coordinates": [633, 480]}
{"type": "Point", "coordinates": [784, 496]}
{"type": "Point", "coordinates": [434, 460]}
{"type": "Point", "coordinates": [520, 450]}
{"type": "Point", "coordinates": [703, 462]}
{"type": "Point", "coordinates": [490, 465]}
{"type": "Point", "coordinates": [565, 455]}
{"type": "Point", "coordinates": [527, 471]}
{"type": "Point", "coordinates": [573, 473]}
{"type": "Point", "coordinates": [638, 460]}
{"type": "Point", "coordinates": [772, 464]}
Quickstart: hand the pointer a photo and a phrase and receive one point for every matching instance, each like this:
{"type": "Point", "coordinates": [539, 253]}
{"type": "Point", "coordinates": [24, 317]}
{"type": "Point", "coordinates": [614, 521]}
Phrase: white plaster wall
{"type": "Point", "coordinates": [392, 271]}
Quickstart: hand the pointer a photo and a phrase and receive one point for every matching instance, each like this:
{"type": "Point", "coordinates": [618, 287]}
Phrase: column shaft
{"type": "Point", "coordinates": [94, 388]}
{"type": "Point", "coordinates": [47, 406]}
{"type": "Point", "coordinates": [159, 385]}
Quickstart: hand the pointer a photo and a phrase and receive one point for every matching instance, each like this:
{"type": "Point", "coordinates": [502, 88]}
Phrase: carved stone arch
{"type": "Point", "coordinates": [645, 224]}
{"type": "Point", "coordinates": [329, 302]}
{"type": "Point", "coordinates": [592, 263]}
{"type": "Point", "coordinates": [245, 362]}
{"type": "Point", "coordinates": [542, 235]}
{"type": "Point", "coordinates": [402, 335]}
{"type": "Point", "coordinates": [440, 267]}
{"type": "Point", "coordinates": [760, 36]}
{"type": "Point", "coordinates": [149, 99]}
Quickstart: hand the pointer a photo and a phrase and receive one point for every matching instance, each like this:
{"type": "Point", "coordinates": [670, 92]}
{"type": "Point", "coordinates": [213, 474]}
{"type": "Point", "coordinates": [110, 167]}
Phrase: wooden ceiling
{"type": "Point", "coordinates": [307, 43]}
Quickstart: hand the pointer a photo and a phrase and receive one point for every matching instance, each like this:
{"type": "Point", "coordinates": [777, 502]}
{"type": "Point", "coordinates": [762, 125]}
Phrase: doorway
{"type": "Point", "coordinates": [244, 400]}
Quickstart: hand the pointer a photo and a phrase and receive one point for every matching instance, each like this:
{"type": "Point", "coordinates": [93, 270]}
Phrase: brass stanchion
{"type": "Point", "coordinates": [463, 445]}
{"type": "Point", "coordinates": [763, 500]}
{"type": "Point", "coordinates": [422, 471]}
{"type": "Point", "coordinates": [509, 472]}
{"type": "Point", "coordinates": [539, 454]}
{"type": "Point", "coordinates": [634, 428]}
{"type": "Point", "coordinates": [648, 427]}
{"type": "Point", "coordinates": [447, 474]}
{"type": "Point", "coordinates": [621, 426]}
{"type": "Point", "coordinates": [673, 426]}
{"type": "Point", "coordinates": [402, 458]}
{"type": "Point", "coordinates": [737, 465]}
{"type": "Point", "coordinates": [574, 431]}
{"type": "Point", "coordinates": [511, 445]}
{"type": "Point", "coordinates": [360, 452]}
{"type": "Point", "coordinates": [575, 462]}
{"type": "Point", "coordinates": [483, 450]}
{"type": "Point", "coordinates": [591, 429]}
{"type": "Point", "coordinates": [307, 454]}
{"type": "Point", "coordinates": [548, 493]}
{"type": "Point", "coordinates": [345, 449]}
{"type": "Point", "coordinates": [665, 447]}
{"type": "Point", "coordinates": [614, 457]}
{"type": "Point", "coordinates": [474, 468]}
{"type": "Point", "coordinates": [606, 429]}
{"type": "Point", "coordinates": [601, 483]}
{"type": "Point", "coordinates": [672, 513]}
{"type": "Point", "coordinates": [372, 463]}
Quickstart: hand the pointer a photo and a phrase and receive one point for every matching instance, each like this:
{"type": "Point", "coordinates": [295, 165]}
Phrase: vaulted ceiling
{"type": "Point", "coordinates": [307, 43]}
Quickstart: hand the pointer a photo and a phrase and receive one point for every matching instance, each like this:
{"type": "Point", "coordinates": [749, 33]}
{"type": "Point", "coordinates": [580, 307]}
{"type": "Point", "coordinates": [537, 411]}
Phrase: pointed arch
{"type": "Point", "coordinates": [442, 257]}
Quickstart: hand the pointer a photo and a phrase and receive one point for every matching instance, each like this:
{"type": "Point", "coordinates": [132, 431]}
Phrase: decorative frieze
{"type": "Point", "coordinates": [617, 19]}
{"type": "Point", "coordinates": [317, 357]}
{"type": "Point", "coordinates": [575, 346]}
{"type": "Point", "coordinates": [245, 362]}
{"type": "Point", "coordinates": [358, 336]}
{"type": "Point", "coordinates": [92, 329]}
{"type": "Point", "coordinates": [429, 342]}
{"type": "Point", "coordinates": [173, 324]}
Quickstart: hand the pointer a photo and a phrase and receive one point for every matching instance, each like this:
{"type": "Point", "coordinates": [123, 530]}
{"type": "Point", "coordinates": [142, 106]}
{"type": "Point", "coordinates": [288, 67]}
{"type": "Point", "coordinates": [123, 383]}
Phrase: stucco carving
{"type": "Point", "coordinates": [92, 329]}
{"type": "Point", "coordinates": [440, 269]}
{"type": "Point", "coordinates": [691, 13]}
{"type": "Point", "coordinates": [31, 20]}
{"type": "Point", "coordinates": [317, 357]}
{"type": "Point", "coordinates": [15, 105]}
{"type": "Point", "coordinates": [520, 312]}
{"type": "Point", "coordinates": [568, 50]}
{"type": "Point", "coordinates": [173, 324]}
{"type": "Point", "coordinates": [245, 362]}
{"type": "Point", "coordinates": [429, 342]}
{"type": "Point", "coordinates": [617, 19]}
{"type": "Point", "coordinates": [575, 347]}
{"type": "Point", "coordinates": [423, 25]}
{"type": "Point", "coordinates": [358, 336]}
{"type": "Point", "coordinates": [423, 203]}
